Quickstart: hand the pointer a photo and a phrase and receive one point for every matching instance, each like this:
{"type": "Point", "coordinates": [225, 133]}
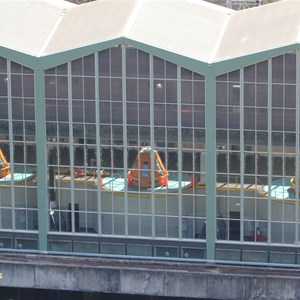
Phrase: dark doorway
{"type": "Point", "coordinates": [234, 226]}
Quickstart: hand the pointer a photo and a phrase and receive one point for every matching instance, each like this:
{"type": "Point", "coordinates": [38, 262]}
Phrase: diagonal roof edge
{"type": "Point", "coordinates": [51, 34]}
{"type": "Point", "coordinates": [260, 29]}
{"type": "Point", "coordinates": [22, 58]}
{"type": "Point", "coordinates": [234, 63]}
{"type": "Point", "coordinates": [132, 18]}
{"type": "Point", "coordinates": [298, 37]}
{"type": "Point", "coordinates": [51, 60]}
{"type": "Point", "coordinates": [219, 40]}
{"type": "Point", "coordinates": [215, 69]}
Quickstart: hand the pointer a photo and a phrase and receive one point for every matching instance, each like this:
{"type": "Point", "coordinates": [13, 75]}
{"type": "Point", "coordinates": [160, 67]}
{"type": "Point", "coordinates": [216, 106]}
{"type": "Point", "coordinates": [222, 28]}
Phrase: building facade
{"type": "Point", "coordinates": [74, 122]}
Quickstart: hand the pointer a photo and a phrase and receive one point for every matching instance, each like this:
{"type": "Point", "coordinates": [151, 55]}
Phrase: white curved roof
{"type": "Point", "coordinates": [192, 28]}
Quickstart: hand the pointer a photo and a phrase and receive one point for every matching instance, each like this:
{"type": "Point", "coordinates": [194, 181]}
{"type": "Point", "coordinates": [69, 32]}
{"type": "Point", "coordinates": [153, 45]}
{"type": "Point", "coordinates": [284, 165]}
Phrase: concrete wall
{"type": "Point", "coordinates": [148, 278]}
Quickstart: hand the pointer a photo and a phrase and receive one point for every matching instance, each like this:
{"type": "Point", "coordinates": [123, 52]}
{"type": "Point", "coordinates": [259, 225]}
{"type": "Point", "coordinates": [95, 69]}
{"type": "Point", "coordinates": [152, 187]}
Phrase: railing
{"type": "Point", "coordinates": [242, 4]}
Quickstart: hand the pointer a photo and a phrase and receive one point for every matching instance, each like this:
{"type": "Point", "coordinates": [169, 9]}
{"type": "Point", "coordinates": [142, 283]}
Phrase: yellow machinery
{"type": "Point", "coordinates": [4, 165]}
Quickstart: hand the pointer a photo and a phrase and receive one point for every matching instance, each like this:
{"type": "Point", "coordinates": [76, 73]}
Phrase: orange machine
{"type": "Point", "coordinates": [4, 165]}
{"type": "Point", "coordinates": [293, 184]}
{"type": "Point", "coordinates": [140, 175]}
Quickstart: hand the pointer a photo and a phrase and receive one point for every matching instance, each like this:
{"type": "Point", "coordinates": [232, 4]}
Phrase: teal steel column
{"type": "Point", "coordinates": [41, 158]}
{"type": "Point", "coordinates": [210, 166]}
{"type": "Point", "coordinates": [297, 161]}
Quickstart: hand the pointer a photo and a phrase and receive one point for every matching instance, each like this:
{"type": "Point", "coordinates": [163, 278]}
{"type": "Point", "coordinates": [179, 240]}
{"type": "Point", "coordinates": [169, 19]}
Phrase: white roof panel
{"type": "Point", "coordinates": [192, 28]}
{"type": "Point", "coordinates": [91, 23]}
{"type": "Point", "coordinates": [25, 25]}
{"type": "Point", "coordinates": [259, 29]}
{"type": "Point", "coordinates": [187, 27]}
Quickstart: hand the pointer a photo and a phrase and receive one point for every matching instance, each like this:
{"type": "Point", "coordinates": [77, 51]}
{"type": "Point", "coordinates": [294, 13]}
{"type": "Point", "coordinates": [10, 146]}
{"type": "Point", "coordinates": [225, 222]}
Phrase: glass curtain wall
{"type": "Point", "coordinates": [284, 151]}
{"type": "Point", "coordinates": [126, 146]}
{"type": "Point", "coordinates": [18, 197]}
{"type": "Point", "coordinates": [256, 151]}
{"type": "Point", "coordinates": [192, 148]}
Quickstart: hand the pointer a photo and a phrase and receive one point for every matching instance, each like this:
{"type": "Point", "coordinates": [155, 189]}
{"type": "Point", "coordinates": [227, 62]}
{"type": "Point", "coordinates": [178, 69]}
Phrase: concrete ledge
{"type": "Point", "coordinates": [149, 278]}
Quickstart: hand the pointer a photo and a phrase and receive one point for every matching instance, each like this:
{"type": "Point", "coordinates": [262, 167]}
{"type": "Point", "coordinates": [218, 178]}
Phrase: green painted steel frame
{"type": "Point", "coordinates": [209, 69]}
